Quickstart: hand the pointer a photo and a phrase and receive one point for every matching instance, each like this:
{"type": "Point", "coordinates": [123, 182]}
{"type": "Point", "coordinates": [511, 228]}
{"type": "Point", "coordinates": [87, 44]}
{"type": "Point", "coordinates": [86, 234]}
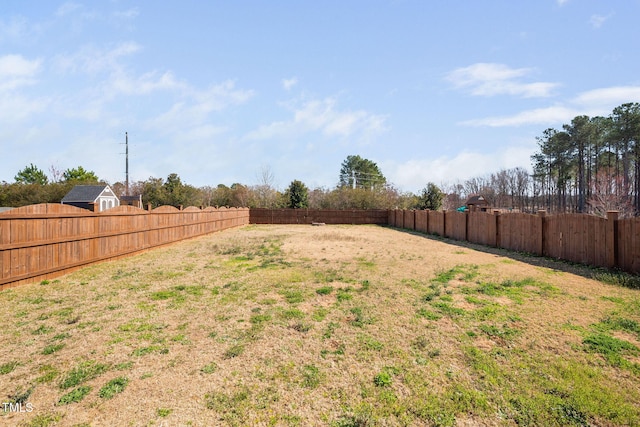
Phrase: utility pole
{"type": "Point", "coordinates": [126, 152]}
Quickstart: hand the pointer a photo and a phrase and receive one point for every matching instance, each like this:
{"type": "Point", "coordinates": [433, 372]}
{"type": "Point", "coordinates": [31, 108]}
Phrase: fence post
{"type": "Point", "coordinates": [541, 216]}
{"type": "Point", "coordinates": [426, 222]}
{"type": "Point", "coordinates": [496, 214]}
{"type": "Point", "coordinates": [466, 226]}
{"type": "Point", "coordinates": [612, 239]}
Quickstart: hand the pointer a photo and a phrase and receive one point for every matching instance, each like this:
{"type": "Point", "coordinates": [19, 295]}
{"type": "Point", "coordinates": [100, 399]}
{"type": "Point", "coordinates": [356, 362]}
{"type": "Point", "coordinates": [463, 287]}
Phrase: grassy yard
{"type": "Point", "coordinates": [332, 325]}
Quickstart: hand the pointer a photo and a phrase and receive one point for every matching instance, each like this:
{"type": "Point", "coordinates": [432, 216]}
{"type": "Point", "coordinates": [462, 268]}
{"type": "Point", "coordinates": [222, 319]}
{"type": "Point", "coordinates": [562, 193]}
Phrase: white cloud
{"type": "Point", "coordinates": [596, 102]}
{"type": "Point", "coordinates": [14, 108]}
{"type": "Point", "coordinates": [416, 173]}
{"type": "Point", "coordinates": [145, 84]}
{"type": "Point", "coordinates": [17, 71]}
{"type": "Point", "coordinates": [324, 117]}
{"type": "Point", "coordinates": [488, 79]}
{"type": "Point", "coordinates": [538, 116]}
{"type": "Point", "coordinates": [597, 21]}
{"type": "Point", "coordinates": [610, 97]}
{"type": "Point", "coordinates": [92, 60]}
{"type": "Point", "coordinates": [288, 84]}
{"type": "Point", "coordinates": [68, 8]}
{"type": "Point", "coordinates": [220, 96]}
{"type": "Point", "coordinates": [193, 111]}
{"type": "Point", "coordinates": [127, 14]}
{"type": "Point", "coordinates": [562, 2]}
{"type": "Point", "coordinates": [16, 29]}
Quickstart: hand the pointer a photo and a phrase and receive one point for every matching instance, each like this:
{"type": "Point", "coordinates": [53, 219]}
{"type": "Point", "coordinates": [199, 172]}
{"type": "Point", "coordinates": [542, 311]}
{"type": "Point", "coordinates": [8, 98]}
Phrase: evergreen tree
{"type": "Point", "coordinates": [357, 172]}
{"type": "Point", "coordinates": [31, 175]}
{"type": "Point", "coordinates": [297, 195]}
{"type": "Point", "coordinates": [431, 198]}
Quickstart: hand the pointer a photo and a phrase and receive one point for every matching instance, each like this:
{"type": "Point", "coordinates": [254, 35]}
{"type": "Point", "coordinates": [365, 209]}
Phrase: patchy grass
{"type": "Point", "coordinates": [8, 367]}
{"type": "Point", "coordinates": [75, 395]}
{"type": "Point", "coordinates": [85, 371]}
{"type": "Point", "coordinates": [336, 325]}
{"type": "Point", "coordinates": [113, 387]}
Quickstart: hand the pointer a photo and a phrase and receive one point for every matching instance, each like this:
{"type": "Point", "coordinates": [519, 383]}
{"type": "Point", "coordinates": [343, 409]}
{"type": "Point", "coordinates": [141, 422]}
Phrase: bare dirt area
{"type": "Point", "coordinates": [330, 325]}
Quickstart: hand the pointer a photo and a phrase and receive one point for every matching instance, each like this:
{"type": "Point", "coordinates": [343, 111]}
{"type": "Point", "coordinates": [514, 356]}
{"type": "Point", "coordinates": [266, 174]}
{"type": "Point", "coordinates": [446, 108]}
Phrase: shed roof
{"type": "Point", "coordinates": [477, 200]}
{"type": "Point", "coordinates": [85, 193]}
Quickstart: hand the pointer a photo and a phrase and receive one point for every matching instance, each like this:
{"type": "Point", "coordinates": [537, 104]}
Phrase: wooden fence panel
{"type": "Point", "coordinates": [42, 241]}
{"type": "Point", "coordinates": [629, 244]}
{"type": "Point", "coordinates": [577, 238]}
{"type": "Point", "coordinates": [409, 220]}
{"type": "Point", "coordinates": [519, 232]}
{"type": "Point", "coordinates": [436, 222]}
{"type": "Point", "coordinates": [456, 225]}
{"type": "Point", "coordinates": [421, 224]}
{"type": "Point", "coordinates": [481, 228]}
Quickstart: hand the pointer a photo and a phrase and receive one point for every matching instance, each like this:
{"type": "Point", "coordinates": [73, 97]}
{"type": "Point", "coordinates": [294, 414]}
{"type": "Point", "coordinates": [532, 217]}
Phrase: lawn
{"type": "Point", "coordinates": [333, 325]}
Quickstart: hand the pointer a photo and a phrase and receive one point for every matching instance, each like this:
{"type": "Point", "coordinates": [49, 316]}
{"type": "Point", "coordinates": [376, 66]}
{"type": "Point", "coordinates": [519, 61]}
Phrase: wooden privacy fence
{"type": "Point", "coordinates": [603, 242]}
{"type": "Point", "coordinates": [43, 241]}
{"type": "Point", "coordinates": [327, 216]}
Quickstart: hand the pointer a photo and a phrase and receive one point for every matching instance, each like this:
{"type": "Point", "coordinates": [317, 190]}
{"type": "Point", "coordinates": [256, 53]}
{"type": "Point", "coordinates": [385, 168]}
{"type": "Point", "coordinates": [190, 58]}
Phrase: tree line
{"type": "Point", "coordinates": [591, 165]}
{"type": "Point", "coordinates": [361, 185]}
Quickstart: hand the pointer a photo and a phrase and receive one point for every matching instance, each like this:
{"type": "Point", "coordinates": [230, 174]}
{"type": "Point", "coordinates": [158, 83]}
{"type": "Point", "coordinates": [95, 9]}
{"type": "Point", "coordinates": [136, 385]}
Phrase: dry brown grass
{"type": "Point", "coordinates": [228, 329]}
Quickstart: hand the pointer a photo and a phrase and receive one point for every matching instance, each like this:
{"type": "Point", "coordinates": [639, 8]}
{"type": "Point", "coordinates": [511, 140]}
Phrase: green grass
{"type": "Point", "coordinates": [319, 314]}
{"type": "Point", "coordinates": [614, 350]}
{"type": "Point", "coordinates": [260, 318]}
{"type": "Point", "coordinates": [344, 294]}
{"type": "Point", "coordinates": [143, 351]}
{"type": "Point", "coordinates": [113, 387]}
{"type": "Point", "coordinates": [448, 309]}
{"type": "Point", "coordinates": [232, 407]}
{"type": "Point", "coordinates": [618, 278]}
{"type": "Point", "coordinates": [48, 373]}
{"type": "Point", "coordinates": [361, 317]}
{"type": "Point", "coordinates": [428, 314]}
{"type": "Point", "coordinates": [75, 395]}
{"type": "Point", "coordinates": [52, 348]}
{"type": "Point", "coordinates": [461, 272]}
{"type": "Point", "coordinates": [292, 313]}
{"type": "Point", "coordinates": [369, 343]}
{"type": "Point", "coordinates": [43, 420]}
{"type": "Point", "coordinates": [293, 296]}
{"type": "Point", "coordinates": [163, 412]}
{"type": "Point", "coordinates": [42, 330]}
{"type": "Point", "coordinates": [325, 290]}
{"type": "Point", "coordinates": [85, 371]}
{"type": "Point", "coordinates": [382, 379]}
{"type": "Point", "coordinates": [209, 368]}
{"type": "Point", "coordinates": [311, 376]}
{"type": "Point", "coordinates": [8, 367]}
{"type": "Point", "coordinates": [234, 351]}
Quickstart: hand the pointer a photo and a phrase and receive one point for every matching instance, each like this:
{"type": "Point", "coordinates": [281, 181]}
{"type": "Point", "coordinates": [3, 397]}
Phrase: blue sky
{"type": "Point", "coordinates": [219, 91]}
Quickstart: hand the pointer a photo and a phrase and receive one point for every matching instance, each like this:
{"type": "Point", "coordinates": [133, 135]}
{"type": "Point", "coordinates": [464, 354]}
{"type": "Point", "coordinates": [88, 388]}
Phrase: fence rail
{"type": "Point", "coordinates": [43, 241]}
